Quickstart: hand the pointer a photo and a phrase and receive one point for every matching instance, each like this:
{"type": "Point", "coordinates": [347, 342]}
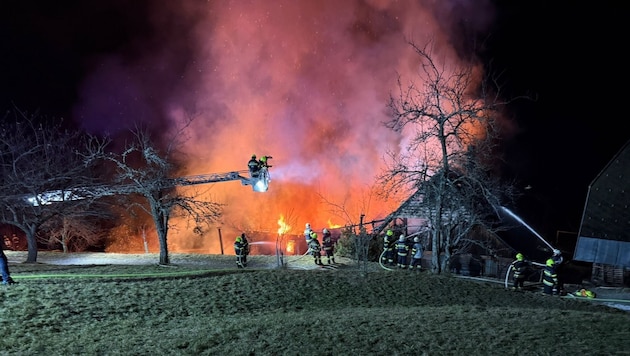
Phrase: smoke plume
{"type": "Point", "coordinates": [306, 82]}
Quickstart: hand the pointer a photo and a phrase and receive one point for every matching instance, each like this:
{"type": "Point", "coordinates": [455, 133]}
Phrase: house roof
{"type": "Point", "coordinates": [604, 235]}
{"type": "Point", "coordinates": [512, 230]}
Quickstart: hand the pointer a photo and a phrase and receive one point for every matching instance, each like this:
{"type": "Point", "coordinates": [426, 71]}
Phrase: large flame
{"type": "Point", "coordinates": [284, 227]}
{"type": "Point", "coordinates": [306, 82]}
{"type": "Point", "coordinates": [332, 226]}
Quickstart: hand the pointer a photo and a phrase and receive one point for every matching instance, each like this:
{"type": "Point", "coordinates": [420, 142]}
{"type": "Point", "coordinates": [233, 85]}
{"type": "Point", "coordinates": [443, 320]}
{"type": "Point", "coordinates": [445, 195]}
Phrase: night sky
{"type": "Point", "coordinates": [102, 63]}
{"type": "Point", "coordinates": [565, 56]}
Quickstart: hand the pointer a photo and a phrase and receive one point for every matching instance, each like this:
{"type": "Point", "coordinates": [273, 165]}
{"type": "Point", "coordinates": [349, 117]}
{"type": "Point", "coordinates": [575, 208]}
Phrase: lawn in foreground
{"type": "Point", "coordinates": [291, 312]}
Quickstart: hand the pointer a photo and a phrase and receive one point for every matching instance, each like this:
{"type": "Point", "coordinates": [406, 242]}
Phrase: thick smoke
{"type": "Point", "coordinates": [306, 82]}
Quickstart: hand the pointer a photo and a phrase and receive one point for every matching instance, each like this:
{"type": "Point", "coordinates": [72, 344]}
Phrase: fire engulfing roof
{"type": "Point", "coordinates": [604, 235]}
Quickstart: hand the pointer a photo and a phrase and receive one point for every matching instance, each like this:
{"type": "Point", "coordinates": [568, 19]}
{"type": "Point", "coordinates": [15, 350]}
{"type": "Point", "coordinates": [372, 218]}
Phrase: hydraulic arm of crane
{"type": "Point", "coordinates": [259, 183]}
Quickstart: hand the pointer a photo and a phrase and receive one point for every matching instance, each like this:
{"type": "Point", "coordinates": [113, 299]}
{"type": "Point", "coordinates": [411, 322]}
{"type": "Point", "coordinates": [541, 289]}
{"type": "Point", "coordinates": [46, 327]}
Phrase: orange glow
{"type": "Point", "coordinates": [306, 82]}
{"type": "Point", "coordinates": [290, 247]}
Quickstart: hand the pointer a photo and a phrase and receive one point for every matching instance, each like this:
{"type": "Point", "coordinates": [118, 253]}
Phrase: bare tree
{"type": "Point", "coordinates": [133, 227]}
{"type": "Point", "coordinates": [446, 166]}
{"type": "Point", "coordinates": [356, 240]}
{"type": "Point", "coordinates": [144, 169]}
{"type": "Point", "coordinates": [75, 232]}
{"type": "Point", "coordinates": [349, 213]}
{"type": "Point", "coordinates": [40, 166]}
{"type": "Point", "coordinates": [80, 227]}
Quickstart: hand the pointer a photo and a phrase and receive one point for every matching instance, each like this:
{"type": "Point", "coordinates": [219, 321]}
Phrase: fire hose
{"type": "Point", "coordinates": [380, 261]}
{"type": "Point", "coordinates": [507, 274]}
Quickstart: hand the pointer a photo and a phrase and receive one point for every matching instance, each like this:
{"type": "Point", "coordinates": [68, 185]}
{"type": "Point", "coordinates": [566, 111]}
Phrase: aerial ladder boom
{"type": "Point", "coordinates": [259, 183]}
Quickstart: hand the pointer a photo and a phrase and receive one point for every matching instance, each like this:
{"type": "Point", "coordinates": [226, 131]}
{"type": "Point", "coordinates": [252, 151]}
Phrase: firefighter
{"type": "Point", "coordinates": [254, 167]}
{"type": "Point", "coordinates": [316, 249]}
{"type": "Point", "coordinates": [557, 257]}
{"type": "Point", "coordinates": [416, 254]}
{"type": "Point", "coordinates": [239, 249]}
{"type": "Point", "coordinates": [328, 246]}
{"type": "Point", "coordinates": [402, 250]}
{"type": "Point", "coordinates": [388, 247]}
{"type": "Point", "coordinates": [307, 233]}
{"type": "Point", "coordinates": [263, 162]}
{"type": "Point", "coordinates": [557, 261]}
{"type": "Point", "coordinates": [245, 244]}
{"type": "Point", "coordinates": [520, 268]}
{"type": "Point", "coordinates": [550, 278]}
{"type": "Point", "coordinates": [4, 268]}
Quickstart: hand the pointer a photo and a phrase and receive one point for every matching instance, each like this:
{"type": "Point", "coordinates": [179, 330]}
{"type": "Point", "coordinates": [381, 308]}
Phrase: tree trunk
{"type": "Point", "coordinates": [164, 258]}
{"type": "Point", "coordinates": [161, 225]}
{"type": "Point", "coordinates": [31, 239]}
{"type": "Point", "coordinates": [64, 242]}
{"type": "Point", "coordinates": [447, 249]}
{"type": "Point", "coordinates": [438, 243]}
{"type": "Point", "coordinates": [144, 240]}
{"type": "Point", "coordinates": [436, 266]}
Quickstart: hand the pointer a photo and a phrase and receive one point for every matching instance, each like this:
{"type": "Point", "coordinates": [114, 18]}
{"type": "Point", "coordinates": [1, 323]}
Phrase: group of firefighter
{"type": "Point", "coordinates": [404, 255]}
{"type": "Point", "coordinates": [315, 247]}
{"type": "Point", "coordinates": [256, 165]}
{"type": "Point", "coordinates": [552, 282]}
{"type": "Point", "coordinates": [401, 252]}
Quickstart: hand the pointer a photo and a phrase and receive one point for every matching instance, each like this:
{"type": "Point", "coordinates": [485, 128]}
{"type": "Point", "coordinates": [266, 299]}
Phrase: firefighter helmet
{"type": "Point", "coordinates": [416, 239]}
{"type": "Point", "coordinates": [401, 238]}
{"type": "Point", "coordinates": [263, 159]}
{"type": "Point", "coordinates": [314, 235]}
{"type": "Point", "coordinates": [390, 232]}
{"type": "Point", "coordinates": [308, 226]}
{"type": "Point", "coordinates": [253, 156]}
{"type": "Point", "coordinates": [325, 231]}
{"type": "Point", "coordinates": [239, 239]}
{"type": "Point", "coordinates": [520, 257]}
{"type": "Point", "coordinates": [556, 252]}
{"type": "Point", "coordinates": [550, 262]}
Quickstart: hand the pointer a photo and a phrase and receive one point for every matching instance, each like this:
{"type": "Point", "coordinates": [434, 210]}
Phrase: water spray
{"type": "Point", "coordinates": [518, 218]}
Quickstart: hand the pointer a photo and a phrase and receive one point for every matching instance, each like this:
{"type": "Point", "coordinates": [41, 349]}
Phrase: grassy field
{"type": "Point", "coordinates": [207, 307]}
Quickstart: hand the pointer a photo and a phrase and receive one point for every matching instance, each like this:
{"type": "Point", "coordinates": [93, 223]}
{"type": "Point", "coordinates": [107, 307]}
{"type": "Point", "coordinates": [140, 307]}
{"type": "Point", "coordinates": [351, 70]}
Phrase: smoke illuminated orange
{"type": "Point", "coordinates": [306, 82]}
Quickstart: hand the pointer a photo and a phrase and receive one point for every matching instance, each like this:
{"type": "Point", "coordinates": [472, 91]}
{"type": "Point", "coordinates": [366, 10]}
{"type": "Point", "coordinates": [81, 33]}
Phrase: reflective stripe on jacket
{"type": "Point", "coordinates": [417, 250]}
{"type": "Point", "coordinates": [402, 248]}
{"type": "Point", "coordinates": [519, 268]}
{"type": "Point", "coordinates": [550, 278]}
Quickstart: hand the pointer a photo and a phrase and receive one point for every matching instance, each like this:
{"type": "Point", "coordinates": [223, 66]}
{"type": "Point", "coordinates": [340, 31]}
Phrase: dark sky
{"type": "Point", "coordinates": [44, 49]}
{"type": "Point", "coordinates": [564, 55]}
{"type": "Point", "coordinates": [566, 58]}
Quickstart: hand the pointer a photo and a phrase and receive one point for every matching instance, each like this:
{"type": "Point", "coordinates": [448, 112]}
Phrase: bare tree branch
{"type": "Point", "coordinates": [448, 120]}
{"type": "Point", "coordinates": [149, 172]}
{"type": "Point", "coordinates": [40, 163]}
